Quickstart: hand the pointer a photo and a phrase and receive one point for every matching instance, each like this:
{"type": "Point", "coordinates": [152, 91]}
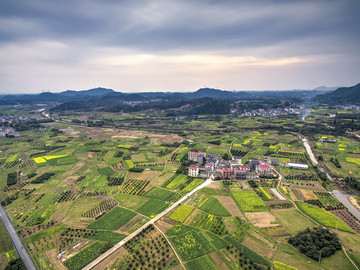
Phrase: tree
{"type": "Point", "coordinates": [315, 242]}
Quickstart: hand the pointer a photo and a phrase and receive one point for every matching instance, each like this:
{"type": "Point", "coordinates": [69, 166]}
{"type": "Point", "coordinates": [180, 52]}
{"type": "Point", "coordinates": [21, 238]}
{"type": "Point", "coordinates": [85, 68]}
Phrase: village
{"type": "Point", "coordinates": [218, 168]}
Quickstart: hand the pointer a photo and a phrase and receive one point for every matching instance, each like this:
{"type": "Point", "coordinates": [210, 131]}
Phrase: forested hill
{"type": "Point", "coordinates": [342, 95]}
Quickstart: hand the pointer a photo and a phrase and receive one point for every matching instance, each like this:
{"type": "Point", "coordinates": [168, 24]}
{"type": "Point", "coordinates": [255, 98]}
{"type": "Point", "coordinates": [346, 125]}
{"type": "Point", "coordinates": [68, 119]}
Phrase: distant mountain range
{"type": "Point", "coordinates": [109, 94]}
{"type": "Point", "coordinates": [205, 99]}
{"type": "Point", "coordinates": [342, 95]}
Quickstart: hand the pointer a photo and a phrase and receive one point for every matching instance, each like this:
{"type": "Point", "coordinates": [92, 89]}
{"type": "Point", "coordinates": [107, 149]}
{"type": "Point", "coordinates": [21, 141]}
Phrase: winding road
{"type": "Point", "coordinates": [151, 221]}
{"type": "Point", "coordinates": [21, 250]}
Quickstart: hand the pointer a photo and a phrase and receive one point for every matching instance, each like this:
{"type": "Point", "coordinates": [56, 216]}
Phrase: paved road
{"type": "Point", "coordinates": [21, 250]}
{"type": "Point", "coordinates": [344, 198]}
{"type": "Point", "coordinates": [151, 221]}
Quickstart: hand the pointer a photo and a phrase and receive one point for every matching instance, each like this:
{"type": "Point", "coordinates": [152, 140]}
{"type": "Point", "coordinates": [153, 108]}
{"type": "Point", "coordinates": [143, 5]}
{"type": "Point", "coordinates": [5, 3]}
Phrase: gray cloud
{"type": "Point", "coordinates": [63, 34]}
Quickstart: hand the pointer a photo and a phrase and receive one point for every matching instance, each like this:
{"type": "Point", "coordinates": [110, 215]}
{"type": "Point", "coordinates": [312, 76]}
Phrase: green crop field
{"type": "Point", "coordinates": [179, 180]}
{"type": "Point", "coordinates": [213, 206]}
{"type": "Point", "coordinates": [182, 212]}
{"type": "Point", "coordinates": [323, 217]}
{"type": "Point", "coordinates": [267, 196]}
{"type": "Point", "coordinates": [178, 229]}
{"type": "Point", "coordinates": [210, 223]}
{"type": "Point", "coordinates": [85, 256]}
{"type": "Point", "coordinates": [194, 183]}
{"type": "Point", "coordinates": [249, 201]}
{"type": "Point", "coordinates": [192, 244]}
{"type": "Point", "coordinates": [201, 263]}
{"type": "Point", "coordinates": [108, 236]}
{"type": "Point", "coordinates": [113, 219]}
{"type": "Point", "coordinates": [128, 164]}
{"type": "Point", "coordinates": [152, 207]}
{"type": "Point", "coordinates": [159, 193]}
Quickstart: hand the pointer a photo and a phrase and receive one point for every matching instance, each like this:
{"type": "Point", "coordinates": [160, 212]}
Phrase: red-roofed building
{"type": "Point", "coordinates": [196, 156]}
{"type": "Point", "coordinates": [193, 171]}
{"type": "Point", "coordinates": [264, 169]}
{"type": "Point", "coordinates": [245, 167]}
{"type": "Point", "coordinates": [226, 173]}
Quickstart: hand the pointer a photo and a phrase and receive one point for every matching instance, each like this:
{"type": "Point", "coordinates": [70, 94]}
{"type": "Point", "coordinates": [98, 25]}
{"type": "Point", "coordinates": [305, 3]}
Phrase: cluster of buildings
{"type": "Point", "coordinates": [10, 119]}
{"type": "Point", "coordinates": [228, 169]}
{"type": "Point", "coordinates": [271, 112]}
{"type": "Point", "coordinates": [348, 107]}
{"type": "Point", "coordinates": [8, 132]}
{"type": "Point", "coordinates": [204, 166]}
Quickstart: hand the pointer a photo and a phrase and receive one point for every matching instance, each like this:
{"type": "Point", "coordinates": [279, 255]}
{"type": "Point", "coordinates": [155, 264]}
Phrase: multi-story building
{"type": "Point", "coordinates": [239, 174]}
{"type": "Point", "coordinates": [196, 156]}
{"type": "Point", "coordinates": [193, 171]}
{"type": "Point", "coordinates": [226, 173]}
{"type": "Point", "coordinates": [263, 169]}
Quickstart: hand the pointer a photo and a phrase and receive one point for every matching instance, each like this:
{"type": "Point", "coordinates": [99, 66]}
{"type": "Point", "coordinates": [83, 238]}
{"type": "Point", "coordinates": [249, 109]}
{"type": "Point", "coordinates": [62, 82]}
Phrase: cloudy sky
{"type": "Point", "coordinates": [173, 45]}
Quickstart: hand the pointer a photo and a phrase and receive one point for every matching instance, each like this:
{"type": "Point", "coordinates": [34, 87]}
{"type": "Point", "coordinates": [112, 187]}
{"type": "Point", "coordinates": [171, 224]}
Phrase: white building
{"type": "Point", "coordinates": [193, 171]}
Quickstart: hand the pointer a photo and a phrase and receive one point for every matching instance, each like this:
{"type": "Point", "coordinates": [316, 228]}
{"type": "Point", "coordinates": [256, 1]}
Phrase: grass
{"type": "Point", "coordinates": [283, 266]}
{"type": "Point", "coordinates": [152, 207]}
{"type": "Point", "coordinates": [130, 201]}
{"type": "Point", "coordinates": [159, 193]}
{"type": "Point", "coordinates": [213, 206]}
{"type": "Point", "coordinates": [249, 201]}
{"type": "Point", "coordinates": [85, 256]}
{"type": "Point", "coordinates": [113, 219]}
{"type": "Point", "coordinates": [182, 212]}
{"type": "Point", "coordinates": [108, 236]}
{"type": "Point", "coordinates": [106, 171]}
{"type": "Point", "coordinates": [5, 241]}
{"type": "Point", "coordinates": [323, 217]}
{"type": "Point", "coordinates": [201, 263]}
{"type": "Point", "coordinates": [353, 160]}
{"type": "Point", "coordinates": [293, 220]}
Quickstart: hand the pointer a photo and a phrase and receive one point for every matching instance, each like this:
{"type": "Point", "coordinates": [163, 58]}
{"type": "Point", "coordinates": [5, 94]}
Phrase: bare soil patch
{"type": "Point", "coordinates": [262, 219]}
{"type": "Point", "coordinates": [52, 256]}
{"type": "Point", "coordinates": [119, 255]}
{"type": "Point", "coordinates": [97, 132]}
{"type": "Point", "coordinates": [298, 195]}
{"type": "Point", "coordinates": [308, 194]}
{"type": "Point", "coordinates": [127, 226]}
{"type": "Point", "coordinates": [70, 132]}
{"type": "Point", "coordinates": [230, 205]}
{"type": "Point", "coordinates": [165, 224]}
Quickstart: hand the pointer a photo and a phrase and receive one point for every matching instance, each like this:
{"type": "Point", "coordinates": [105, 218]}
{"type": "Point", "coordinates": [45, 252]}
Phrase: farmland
{"type": "Point", "coordinates": [323, 217]}
{"type": "Point", "coordinates": [79, 189]}
{"type": "Point", "coordinates": [86, 255]}
{"type": "Point", "coordinates": [113, 219]}
{"type": "Point", "coordinates": [213, 206]}
{"type": "Point", "coordinates": [182, 213]}
{"type": "Point", "coordinates": [249, 201]}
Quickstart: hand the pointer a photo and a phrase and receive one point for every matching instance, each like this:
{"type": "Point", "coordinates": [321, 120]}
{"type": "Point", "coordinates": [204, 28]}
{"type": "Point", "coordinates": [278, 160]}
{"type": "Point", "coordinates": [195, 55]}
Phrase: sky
{"type": "Point", "coordinates": [173, 45]}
